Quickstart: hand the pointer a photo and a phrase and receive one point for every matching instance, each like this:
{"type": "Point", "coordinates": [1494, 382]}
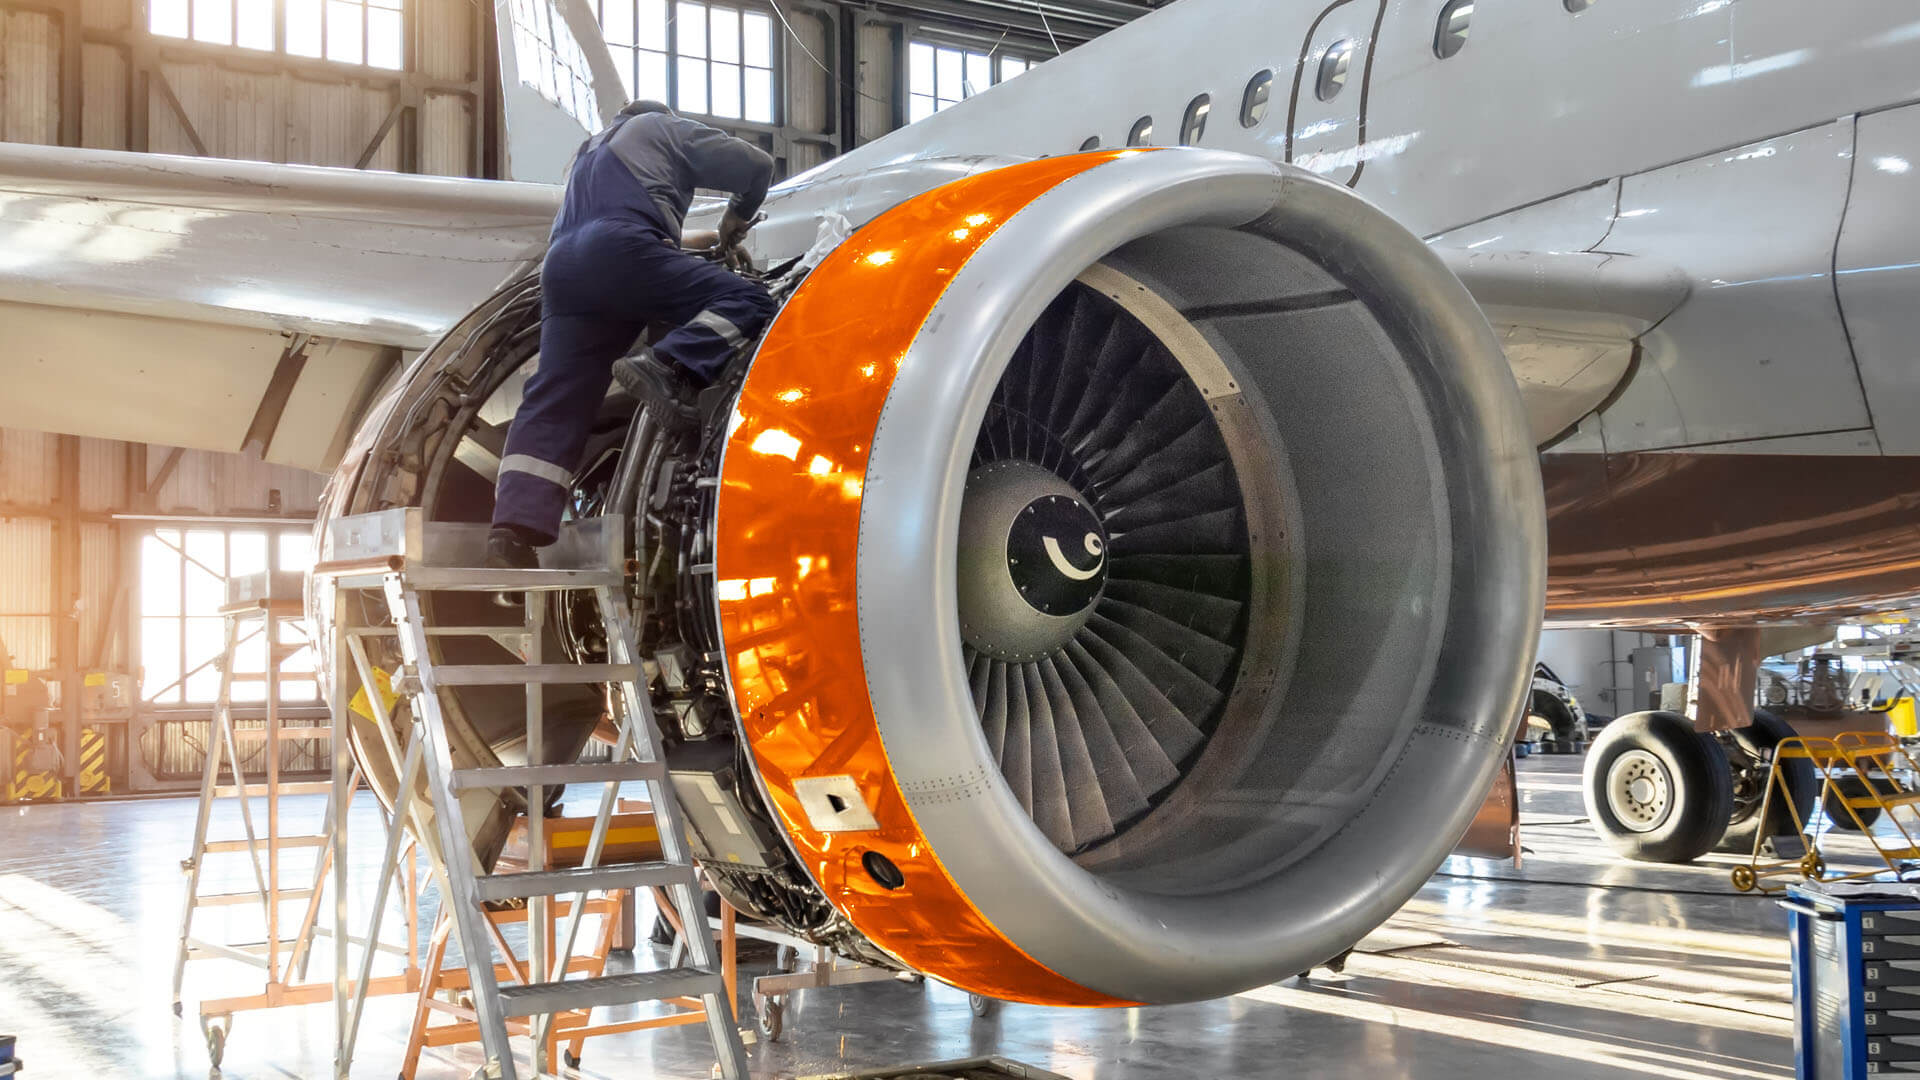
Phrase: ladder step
{"type": "Point", "coordinates": [603, 772]}
{"type": "Point", "coordinates": [534, 999]}
{"type": "Point", "coordinates": [283, 843]}
{"type": "Point", "coordinates": [476, 579]}
{"type": "Point", "coordinates": [521, 674]}
{"type": "Point", "coordinates": [231, 899]}
{"type": "Point", "coordinates": [580, 879]}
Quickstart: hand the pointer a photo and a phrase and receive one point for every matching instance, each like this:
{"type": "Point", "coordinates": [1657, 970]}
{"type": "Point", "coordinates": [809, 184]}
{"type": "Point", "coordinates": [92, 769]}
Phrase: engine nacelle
{"type": "Point", "coordinates": [1124, 574]}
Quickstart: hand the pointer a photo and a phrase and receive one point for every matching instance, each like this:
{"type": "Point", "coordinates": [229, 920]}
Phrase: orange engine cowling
{"type": "Point", "coordinates": [1128, 567]}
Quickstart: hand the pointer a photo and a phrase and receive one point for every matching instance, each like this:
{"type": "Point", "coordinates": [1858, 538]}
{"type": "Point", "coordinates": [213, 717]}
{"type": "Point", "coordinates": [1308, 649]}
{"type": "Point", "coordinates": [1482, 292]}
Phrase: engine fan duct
{"type": "Point", "coordinates": [1249, 696]}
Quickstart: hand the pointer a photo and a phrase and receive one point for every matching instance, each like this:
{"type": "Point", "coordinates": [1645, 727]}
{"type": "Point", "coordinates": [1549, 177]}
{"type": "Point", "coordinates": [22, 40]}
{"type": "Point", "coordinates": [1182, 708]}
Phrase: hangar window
{"type": "Point", "coordinates": [183, 583]}
{"type": "Point", "coordinates": [1451, 35]}
{"type": "Point", "coordinates": [1194, 125]}
{"type": "Point", "coordinates": [711, 59]}
{"type": "Point", "coordinates": [1142, 133]}
{"type": "Point", "coordinates": [942, 75]}
{"type": "Point", "coordinates": [1334, 64]}
{"type": "Point", "coordinates": [366, 32]}
{"type": "Point", "coordinates": [1092, 143]}
{"type": "Point", "coordinates": [1253, 104]}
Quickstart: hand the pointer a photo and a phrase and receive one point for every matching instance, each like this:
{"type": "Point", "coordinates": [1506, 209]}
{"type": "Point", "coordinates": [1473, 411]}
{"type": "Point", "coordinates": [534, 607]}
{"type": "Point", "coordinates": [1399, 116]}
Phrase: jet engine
{"type": "Point", "coordinates": [1112, 579]}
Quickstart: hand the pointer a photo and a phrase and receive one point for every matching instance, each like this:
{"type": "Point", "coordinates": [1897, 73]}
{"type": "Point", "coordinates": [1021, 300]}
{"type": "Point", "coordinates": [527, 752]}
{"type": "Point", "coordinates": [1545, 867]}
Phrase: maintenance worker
{"type": "Point", "coordinates": [614, 264]}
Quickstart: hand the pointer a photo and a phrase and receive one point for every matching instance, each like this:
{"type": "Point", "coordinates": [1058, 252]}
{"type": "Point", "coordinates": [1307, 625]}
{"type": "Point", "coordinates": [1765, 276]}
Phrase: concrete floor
{"type": "Point", "coordinates": [1576, 965]}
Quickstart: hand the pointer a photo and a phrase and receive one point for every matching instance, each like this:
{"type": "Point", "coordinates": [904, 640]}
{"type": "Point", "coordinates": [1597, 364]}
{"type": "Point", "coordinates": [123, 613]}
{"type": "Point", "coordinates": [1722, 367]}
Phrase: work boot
{"type": "Point", "coordinates": [508, 550]}
{"type": "Point", "coordinates": [660, 386]}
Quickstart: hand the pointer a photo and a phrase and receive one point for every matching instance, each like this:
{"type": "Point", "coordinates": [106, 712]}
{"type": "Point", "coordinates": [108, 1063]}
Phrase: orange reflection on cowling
{"type": "Point", "coordinates": [797, 669]}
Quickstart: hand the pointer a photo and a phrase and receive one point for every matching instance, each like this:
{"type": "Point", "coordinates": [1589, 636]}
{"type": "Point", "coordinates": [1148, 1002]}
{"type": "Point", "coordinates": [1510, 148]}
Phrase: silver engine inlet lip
{"type": "Point", "coordinates": [1454, 618]}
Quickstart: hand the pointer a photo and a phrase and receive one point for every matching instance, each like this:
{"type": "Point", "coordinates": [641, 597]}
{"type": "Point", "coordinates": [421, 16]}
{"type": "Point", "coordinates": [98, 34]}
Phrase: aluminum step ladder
{"type": "Point", "coordinates": [403, 556]}
{"type": "Point", "coordinates": [271, 600]}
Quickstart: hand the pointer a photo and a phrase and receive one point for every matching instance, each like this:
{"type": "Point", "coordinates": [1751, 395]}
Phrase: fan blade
{"type": "Point", "coordinates": [1193, 696]}
{"type": "Point", "coordinates": [1125, 342]}
{"type": "Point", "coordinates": [1218, 617]}
{"type": "Point", "coordinates": [1180, 411]}
{"type": "Point", "coordinates": [993, 715]}
{"type": "Point", "coordinates": [1215, 575]}
{"type": "Point", "coordinates": [1146, 754]}
{"type": "Point", "coordinates": [1209, 659]}
{"type": "Point", "coordinates": [977, 666]}
{"type": "Point", "coordinates": [1016, 762]}
{"type": "Point", "coordinates": [1194, 454]}
{"type": "Point", "coordinates": [1119, 787]}
{"type": "Point", "coordinates": [1050, 807]}
{"type": "Point", "coordinates": [1203, 494]}
{"type": "Point", "coordinates": [1086, 802]}
{"type": "Point", "coordinates": [1219, 532]}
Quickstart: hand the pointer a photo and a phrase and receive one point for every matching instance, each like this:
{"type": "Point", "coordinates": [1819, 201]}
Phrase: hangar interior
{"type": "Point", "coordinates": [1540, 951]}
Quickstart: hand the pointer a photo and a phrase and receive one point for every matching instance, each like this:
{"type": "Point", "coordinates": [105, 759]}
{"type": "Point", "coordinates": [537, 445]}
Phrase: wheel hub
{"type": "Point", "coordinates": [1639, 791]}
{"type": "Point", "coordinates": [1033, 561]}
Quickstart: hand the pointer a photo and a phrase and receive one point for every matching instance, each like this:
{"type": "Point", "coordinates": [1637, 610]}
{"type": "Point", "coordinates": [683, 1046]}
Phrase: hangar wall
{"type": "Point", "coordinates": [89, 73]}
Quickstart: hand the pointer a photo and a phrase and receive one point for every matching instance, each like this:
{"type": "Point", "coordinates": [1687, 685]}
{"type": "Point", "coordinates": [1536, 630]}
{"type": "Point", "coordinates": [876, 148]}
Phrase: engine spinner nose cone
{"type": "Point", "coordinates": [1033, 561]}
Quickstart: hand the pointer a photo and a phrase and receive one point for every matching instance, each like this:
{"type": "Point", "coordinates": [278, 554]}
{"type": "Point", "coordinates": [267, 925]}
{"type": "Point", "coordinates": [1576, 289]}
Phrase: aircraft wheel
{"type": "Point", "coordinates": [1835, 804]}
{"type": "Point", "coordinates": [1656, 790]}
{"type": "Point", "coordinates": [1566, 737]}
{"type": "Point", "coordinates": [1750, 756]}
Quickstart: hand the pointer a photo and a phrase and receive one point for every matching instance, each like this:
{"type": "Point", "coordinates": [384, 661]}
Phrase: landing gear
{"type": "Point", "coordinates": [1750, 756]}
{"type": "Point", "coordinates": [1656, 790]}
{"type": "Point", "coordinates": [1566, 736]}
{"type": "Point", "coordinates": [1835, 804]}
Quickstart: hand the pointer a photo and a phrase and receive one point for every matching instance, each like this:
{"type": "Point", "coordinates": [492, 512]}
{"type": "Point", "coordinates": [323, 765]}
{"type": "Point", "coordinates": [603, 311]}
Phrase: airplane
{"type": "Point", "coordinates": [1443, 319]}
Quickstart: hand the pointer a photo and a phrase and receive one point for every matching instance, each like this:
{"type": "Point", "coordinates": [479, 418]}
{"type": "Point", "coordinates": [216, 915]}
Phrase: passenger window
{"type": "Point", "coordinates": [1253, 105]}
{"type": "Point", "coordinates": [1092, 143]}
{"type": "Point", "coordinates": [1333, 70]}
{"type": "Point", "coordinates": [1195, 123]}
{"type": "Point", "coordinates": [1451, 35]}
{"type": "Point", "coordinates": [1578, 6]}
{"type": "Point", "coordinates": [1142, 133]}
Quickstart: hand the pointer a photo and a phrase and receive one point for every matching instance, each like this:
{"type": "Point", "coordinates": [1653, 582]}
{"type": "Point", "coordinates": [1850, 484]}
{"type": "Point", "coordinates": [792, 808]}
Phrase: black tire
{"type": "Point", "coordinates": [1834, 803]}
{"type": "Point", "coordinates": [773, 1017]}
{"type": "Point", "coordinates": [1801, 779]}
{"type": "Point", "coordinates": [1567, 737]}
{"type": "Point", "coordinates": [1688, 785]}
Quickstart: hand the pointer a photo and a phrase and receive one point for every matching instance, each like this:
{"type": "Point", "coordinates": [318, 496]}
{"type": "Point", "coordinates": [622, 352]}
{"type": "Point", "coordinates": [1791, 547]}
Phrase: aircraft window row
{"type": "Point", "coordinates": [368, 32]}
{"type": "Point", "coordinates": [939, 76]}
{"type": "Point", "coordinates": [1334, 65]}
{"type": "Point", "coordinates": [1451, 35]}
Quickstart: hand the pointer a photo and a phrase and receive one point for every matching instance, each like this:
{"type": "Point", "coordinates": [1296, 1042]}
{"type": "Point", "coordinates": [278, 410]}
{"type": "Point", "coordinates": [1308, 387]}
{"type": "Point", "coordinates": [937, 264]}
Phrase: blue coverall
{"type": "Point", "coordinates": [613, 265]}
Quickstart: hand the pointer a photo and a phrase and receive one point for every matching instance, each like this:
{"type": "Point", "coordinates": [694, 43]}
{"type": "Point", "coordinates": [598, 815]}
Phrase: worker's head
{"type": "Point", "coordinates": [641, 108]}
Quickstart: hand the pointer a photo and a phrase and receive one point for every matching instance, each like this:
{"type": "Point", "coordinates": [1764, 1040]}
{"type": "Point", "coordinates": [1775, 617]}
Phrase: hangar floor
{"type": "Point", "coordinates": [1577, 965]}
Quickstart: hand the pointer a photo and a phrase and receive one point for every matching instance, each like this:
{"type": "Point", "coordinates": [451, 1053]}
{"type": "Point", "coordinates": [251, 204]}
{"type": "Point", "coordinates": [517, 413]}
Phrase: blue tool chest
{"type": "Point", "coordinates": [1856, 982]}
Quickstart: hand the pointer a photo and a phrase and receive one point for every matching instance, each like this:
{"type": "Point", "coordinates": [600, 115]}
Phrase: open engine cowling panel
{"type": "Point", "coordinates": [1114, 582]}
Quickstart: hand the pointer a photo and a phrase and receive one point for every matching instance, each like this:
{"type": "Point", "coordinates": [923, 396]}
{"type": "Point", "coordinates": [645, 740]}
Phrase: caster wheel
{"type": "Point", "coordinates": [216, 1044]}
{"type": "Point", "coordinates": [1744, 878]}
{"type": "Point", "coordinates": [772, 1019]}
{"type": "Point", "coordinates": [572, 1059]}
{"type": "Point", "coordinates": [1812, 866]}
{"type": "Point", "coordinates": [982, 1006]}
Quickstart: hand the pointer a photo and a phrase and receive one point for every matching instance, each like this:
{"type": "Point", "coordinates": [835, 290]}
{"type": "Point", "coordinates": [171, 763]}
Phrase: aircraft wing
{"type": "Point", "coordinates": [229, 305]}
{"type": "Point", "coordinates": [1569, 322]}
